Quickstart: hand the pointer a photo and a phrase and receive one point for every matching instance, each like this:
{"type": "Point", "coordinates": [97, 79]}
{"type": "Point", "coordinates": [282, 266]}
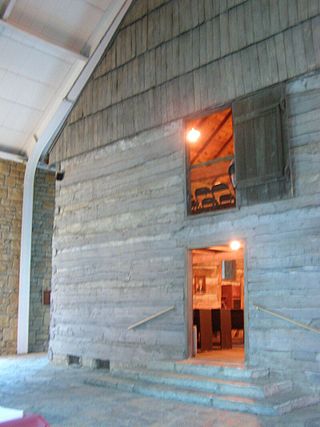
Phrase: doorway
{"type": "Point", "coordinates": [218, 303]}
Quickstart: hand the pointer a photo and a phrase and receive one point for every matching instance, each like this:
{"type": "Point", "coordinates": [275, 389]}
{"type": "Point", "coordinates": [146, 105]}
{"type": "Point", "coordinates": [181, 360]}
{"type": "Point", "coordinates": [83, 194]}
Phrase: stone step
{"type": "Point", "coordinates": [250, 388]}
{"type": "Point", "coordinates": [216, 371]}
{"type": "Point", "coordinates": [274, 405]}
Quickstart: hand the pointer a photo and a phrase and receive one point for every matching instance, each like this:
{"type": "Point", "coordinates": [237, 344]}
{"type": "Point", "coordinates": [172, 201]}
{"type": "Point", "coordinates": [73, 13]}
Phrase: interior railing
{"type": "Point", "coordinates": [287, 319]}
{"type": "Point", "coordinates": [149, 318]}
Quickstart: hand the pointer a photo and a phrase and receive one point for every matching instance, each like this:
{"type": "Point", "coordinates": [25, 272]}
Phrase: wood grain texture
{"type": "Point", "coordinates": [121, 234]}
{"type": "Point", "coordinates": [254, 43]}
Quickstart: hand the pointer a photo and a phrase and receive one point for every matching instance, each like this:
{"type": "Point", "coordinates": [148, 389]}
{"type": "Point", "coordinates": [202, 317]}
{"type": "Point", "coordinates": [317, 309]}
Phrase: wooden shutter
{"type": "Point", "coordinates": [261, 148]}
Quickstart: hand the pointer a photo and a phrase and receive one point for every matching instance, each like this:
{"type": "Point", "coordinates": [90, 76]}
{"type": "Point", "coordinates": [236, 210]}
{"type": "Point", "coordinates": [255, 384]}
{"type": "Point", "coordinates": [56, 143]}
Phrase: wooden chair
{"type": "Point", "coordinates": [237, 320]}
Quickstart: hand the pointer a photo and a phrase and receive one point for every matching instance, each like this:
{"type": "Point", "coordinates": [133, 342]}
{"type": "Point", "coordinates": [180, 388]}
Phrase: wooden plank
{"type": "Point", "coordinates": [313, 7]}
{"type": "Point", "coordinates": [238, 77]}
{"type": "Point", "coordinates": [315, 24]}
{"type": "Point", "coordinates": [248, 19]}
{"type": "Point", "coordinates": [257, 20]}
{"type": "Point", "coordinates": [225, 34]}
{"type": "Point", "coordinates": [185, 15]}
{"type": "Point", "coordinates": [299, 50]}
{"type": "Point", "coordinates": [274, 16]}
{"type": "Point", "coordinates": [187, 94]}
{"type": "Point", "coordinates": [289, 53]}
{"type": "Point", "coordinates": [292, 12]}
{"type": "Point", "coordinates": [195, 48]}
{"type": "Point", "coordinates": [308, 45]}
{"type": "Point", "coordinates": [302, 10]}
{"type": "Point", "coordinates": [203, 44]}
{"type": "Point", "coordinates": [234, 30]}
{"type": "Point", "coordinates": [280, 57]}
{"type": "Point", "coordinates": [216, 38]}
{"type": "Point", "coordinates": [284, 5]}
{"type": "Point", "coordinates": [175, 19]}
{"type": "Point", "coordinates": [242, 39]}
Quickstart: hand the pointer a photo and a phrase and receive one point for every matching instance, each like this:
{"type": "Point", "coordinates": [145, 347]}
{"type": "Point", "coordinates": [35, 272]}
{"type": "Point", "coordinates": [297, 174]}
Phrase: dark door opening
{"type": "Point", "coordinates": [218, 303]}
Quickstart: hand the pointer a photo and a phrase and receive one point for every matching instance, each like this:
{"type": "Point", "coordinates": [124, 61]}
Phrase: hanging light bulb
{"type": "Point", "coordinates": [235, 245]}
{"type": "Point", "coordinates": [193, 135]}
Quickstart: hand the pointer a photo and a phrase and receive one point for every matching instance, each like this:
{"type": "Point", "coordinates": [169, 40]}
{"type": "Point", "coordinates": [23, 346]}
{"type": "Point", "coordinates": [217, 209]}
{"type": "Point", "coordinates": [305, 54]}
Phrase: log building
{"type": "Point", "coordinates": [199, 128]}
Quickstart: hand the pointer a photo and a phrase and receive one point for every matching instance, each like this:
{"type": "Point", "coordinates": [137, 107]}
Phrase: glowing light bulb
{"type": "Point", "coordinates": [193, 135]}
{"type": "Point", "coordinates": [235, 245]}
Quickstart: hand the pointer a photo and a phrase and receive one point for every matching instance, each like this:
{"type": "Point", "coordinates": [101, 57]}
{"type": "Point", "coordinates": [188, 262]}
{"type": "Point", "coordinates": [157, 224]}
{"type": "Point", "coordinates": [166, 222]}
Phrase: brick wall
{"type": "Point", "coordinates": [11, 191]}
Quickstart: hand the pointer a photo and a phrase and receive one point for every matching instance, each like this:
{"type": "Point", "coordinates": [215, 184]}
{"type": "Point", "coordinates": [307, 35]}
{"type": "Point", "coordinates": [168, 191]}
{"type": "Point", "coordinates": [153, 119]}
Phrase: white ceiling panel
{"type": "Point", "coordinates": [24, 91]}
{"type": "Point", "coordinates": [65, 22]}
{"type": "Point", "coordinates": [41, 45]}
{"type": "Point", "coordinates": [10, 139]}
{"type": "Point", "coordinates": [19, 117]}
{"type": "Point", "coordinates": [30, 62]}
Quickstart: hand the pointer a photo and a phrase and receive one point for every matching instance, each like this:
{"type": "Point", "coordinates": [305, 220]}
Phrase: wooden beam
{"type": "Point", "coordinates": [215, 132]}
{"type": "Point", "coordinates": [212, 162]}
{"type": "Point", "coordinates": [224, 145]}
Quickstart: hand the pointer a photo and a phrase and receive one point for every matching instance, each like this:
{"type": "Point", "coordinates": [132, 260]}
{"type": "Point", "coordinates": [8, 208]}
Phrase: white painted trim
{"type": "Point", "coordinates": [26, 226]}
{"type": "Point", "coordinates": [6, 155]}
{"type": "Point", "coordinates": [43, 144]}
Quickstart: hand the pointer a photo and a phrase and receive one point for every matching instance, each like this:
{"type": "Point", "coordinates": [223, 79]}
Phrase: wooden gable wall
{"type": "Point", "coordinates": [170, 59]}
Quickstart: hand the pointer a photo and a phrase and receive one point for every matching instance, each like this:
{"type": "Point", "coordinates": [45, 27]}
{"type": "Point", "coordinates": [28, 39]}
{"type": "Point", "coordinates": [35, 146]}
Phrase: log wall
{"type": "Point", "coordinates": [121, 229]}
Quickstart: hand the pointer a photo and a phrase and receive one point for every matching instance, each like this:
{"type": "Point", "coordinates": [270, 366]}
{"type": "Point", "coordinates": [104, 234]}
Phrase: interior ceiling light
{"type": "Point", "coordinates": [193, 135]}
{"type": "Point", "coordinates": [235, 245]}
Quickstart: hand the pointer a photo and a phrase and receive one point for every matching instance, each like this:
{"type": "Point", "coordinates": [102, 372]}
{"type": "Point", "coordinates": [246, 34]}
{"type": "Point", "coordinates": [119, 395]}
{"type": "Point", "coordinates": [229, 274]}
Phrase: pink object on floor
{"type": "Point", "coordinates": [27, 421]}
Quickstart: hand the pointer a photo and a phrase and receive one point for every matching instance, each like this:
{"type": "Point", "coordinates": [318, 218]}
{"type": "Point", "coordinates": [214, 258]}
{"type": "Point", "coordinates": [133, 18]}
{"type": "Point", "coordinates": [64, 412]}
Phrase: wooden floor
{"type": "Point", "coordinates": [234, 356]}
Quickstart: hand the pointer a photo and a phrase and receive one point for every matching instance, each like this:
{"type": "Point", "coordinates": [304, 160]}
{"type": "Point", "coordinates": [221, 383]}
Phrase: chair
{"type": "Point", "coordinates": [196, 322]}
{"type": "Point", "coordinates": [208, 203]}
{"type": "Point", "coordinates": [237, 320]}
{"type": "Point", "coordinates": [201, 194]}
{"type": "Point", "coordinates": [216, 323]}
{"type": "Point", "coordinates": [219, 187]}
{"type": "Point", "coordinates": [227, 200]}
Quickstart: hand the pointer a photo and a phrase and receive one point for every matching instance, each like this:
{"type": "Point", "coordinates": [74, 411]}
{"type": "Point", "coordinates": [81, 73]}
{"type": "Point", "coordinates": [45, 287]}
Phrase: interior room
{"type": "Point", "coordinates": [210, 159]}
{"type": "Point", "coordinates": [218, 303]}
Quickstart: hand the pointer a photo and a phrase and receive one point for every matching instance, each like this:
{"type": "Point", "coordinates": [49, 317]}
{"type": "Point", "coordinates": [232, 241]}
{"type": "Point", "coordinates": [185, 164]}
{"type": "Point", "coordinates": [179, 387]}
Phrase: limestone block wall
{"type": "Point", "coordinates": [11, 188]}
{"type": "Point", "coordinates": [11, 194]}
{"type": "Point", "coordinates": [41, 259]}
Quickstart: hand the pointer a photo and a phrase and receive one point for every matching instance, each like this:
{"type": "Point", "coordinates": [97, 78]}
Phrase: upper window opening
{"type": "Point", "coordinates": [210, 152]}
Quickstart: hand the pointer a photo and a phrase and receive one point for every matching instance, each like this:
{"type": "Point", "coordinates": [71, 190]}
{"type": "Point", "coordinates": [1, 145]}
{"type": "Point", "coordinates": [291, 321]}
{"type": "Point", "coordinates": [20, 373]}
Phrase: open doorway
{"type": "Point", "coordinates": [218, 303]}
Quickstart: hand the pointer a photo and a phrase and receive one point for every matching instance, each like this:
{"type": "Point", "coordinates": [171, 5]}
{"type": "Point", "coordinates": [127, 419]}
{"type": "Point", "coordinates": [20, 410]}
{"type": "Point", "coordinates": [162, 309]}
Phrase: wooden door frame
{"type": "Point", "coordinates": [189, 297]}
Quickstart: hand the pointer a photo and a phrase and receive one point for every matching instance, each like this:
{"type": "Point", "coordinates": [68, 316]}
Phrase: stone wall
{"type": "Point", "coordinates": [11, 191]}
{"type": "Point", "coordinates": [174, 58]}
{"type": "Point", "coordinates": [11, 194]}
{"type": "Point", "coordinates": [41, 258]}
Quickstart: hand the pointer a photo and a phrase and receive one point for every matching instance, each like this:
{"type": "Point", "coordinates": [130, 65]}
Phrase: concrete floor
{"type": "Point", "coordinates": [59, 394]}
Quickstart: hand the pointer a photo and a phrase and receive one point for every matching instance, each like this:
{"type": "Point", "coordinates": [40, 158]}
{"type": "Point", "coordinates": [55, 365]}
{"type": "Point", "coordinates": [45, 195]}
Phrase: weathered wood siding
{"type": "Point", "coordinates": [174, 58]}
{"type": "Point", "coordinates": [121, 231]}
{"type": "Point", "coordinates": [121, 235]}
{"type": "Point", "coordinates": [116, 259]}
